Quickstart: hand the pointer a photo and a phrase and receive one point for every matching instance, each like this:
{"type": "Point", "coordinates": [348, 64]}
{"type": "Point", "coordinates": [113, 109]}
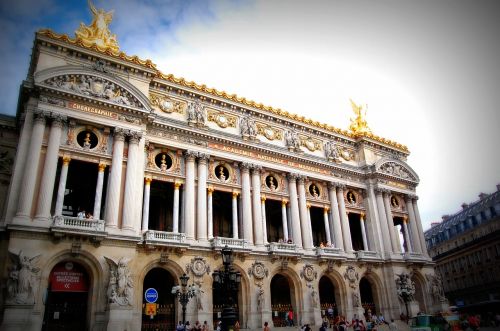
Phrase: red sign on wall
{"type": "Point", "coordinates": [68, 277]}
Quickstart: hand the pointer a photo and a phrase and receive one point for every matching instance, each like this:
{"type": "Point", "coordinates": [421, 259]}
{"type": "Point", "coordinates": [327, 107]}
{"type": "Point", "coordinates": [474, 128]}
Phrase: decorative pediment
{"type": "Point", "coordinates": [93, 84]}
{"type": "Point", "coordinates": [396, 168]}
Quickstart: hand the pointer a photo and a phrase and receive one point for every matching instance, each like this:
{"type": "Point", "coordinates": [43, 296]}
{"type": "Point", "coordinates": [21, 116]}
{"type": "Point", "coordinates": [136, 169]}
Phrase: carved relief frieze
{"type": "Point", "coordinates": [332, 153]}
{"type": "Point", "coordinates": [248, 128]}
{"type": "Point", "coordinates": [96, 87]}
{"type": "Point", "coordinates": [394, 169]}
{"type": "Point", "coordinates": [53, 101]}
{"type": "Point", "coordinates": [292, 141]}
{"type": "Point", "coordinates": [222, 119]}
{"type": "Point", "coordinates": [196, 114]}
{"type": "Point", "coordinates": [308, 273]}
{"type": "Point", "coordinates": [198, 267]}
{"type": "Point", "coordinates": [310, 143]}
{"type": "Point", "coordinates": [269, 132]}
{"type": "Point", "coordinates": [346, 154]}
{"type": "Point", "coordinates": [22, 281]}
{"type": "Point", "coordinates": [121, 284]}
{"type": "Point", "coordinates": [167, 104]}
{"type": "Point", "coordinates": [179, 137]}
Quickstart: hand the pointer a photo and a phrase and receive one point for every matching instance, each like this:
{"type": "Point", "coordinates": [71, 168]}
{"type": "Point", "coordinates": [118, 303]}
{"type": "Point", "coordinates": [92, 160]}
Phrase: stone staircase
{"type": "Point", "coordinates": [384, 327]}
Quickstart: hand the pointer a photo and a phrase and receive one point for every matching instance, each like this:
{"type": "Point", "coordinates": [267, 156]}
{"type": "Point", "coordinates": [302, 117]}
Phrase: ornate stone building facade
{"type": "Point", "coordinates": [125, 178]}
{"type": "Point", "coordinates": [466, 249]}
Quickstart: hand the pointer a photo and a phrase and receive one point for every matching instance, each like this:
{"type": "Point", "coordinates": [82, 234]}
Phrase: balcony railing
{"type": "Point", "coordinates": [221, 242]}
{"type": "Point", "coordinates": [282, 248]}
{"type": "Point", "coordinates": [367, 255]}
{"type": "Point", "coordinates": [165, 238]}
{"type": "Point", "coordinates": [415, 257]}
{"type": "Point", "coordinates": [74, 225]}
{"type": "Point", "coordinates": [328, 252]}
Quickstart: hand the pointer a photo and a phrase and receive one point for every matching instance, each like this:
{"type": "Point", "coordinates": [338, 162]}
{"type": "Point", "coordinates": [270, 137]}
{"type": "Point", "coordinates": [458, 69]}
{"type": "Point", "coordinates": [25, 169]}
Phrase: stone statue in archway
{"type": "Point", "coordinates": [436, 287]}
{"type": "Point", "coordinates": [22, 282]}
{"type": "Point", "coordinates": [121, 284]}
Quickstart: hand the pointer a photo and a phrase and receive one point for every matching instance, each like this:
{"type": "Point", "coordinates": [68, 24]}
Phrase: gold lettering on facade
{"type": "Point", "coordinates": [93, 110]}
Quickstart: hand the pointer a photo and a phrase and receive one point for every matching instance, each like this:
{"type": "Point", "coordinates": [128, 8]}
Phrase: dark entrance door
{"type": "Point", "coordinates": [164, 319]}
{"type": "Point", "coordinates": [67, 297]}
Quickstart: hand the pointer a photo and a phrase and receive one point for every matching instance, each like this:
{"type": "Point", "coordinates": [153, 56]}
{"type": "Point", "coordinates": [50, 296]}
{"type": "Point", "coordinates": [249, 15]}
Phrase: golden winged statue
{"type": "Point", "coordinates": [358, 124]}
{"type": "Point", "coordinates": [98, 32]}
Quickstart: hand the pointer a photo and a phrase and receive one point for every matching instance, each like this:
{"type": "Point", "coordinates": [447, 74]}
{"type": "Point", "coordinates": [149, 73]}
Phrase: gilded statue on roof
{"type": "Point", "coordinates": [359, 124]}
{"type": "Point", "coordinates": [98, 32]}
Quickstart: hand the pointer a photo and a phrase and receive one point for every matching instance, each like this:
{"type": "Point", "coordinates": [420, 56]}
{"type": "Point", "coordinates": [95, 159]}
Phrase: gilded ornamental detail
{"type": "Point", "coordinates": [310, 143]}
{"type": "Point", "coordinates": [222, 119]}
{"type": "Point", "coordinates": [269, 132]}
{"type": "Point", "coordinates": [167, 104]}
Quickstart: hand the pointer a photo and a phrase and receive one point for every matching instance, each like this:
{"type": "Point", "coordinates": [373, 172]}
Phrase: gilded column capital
{"type": "Point", "coordinates": [119, 134]}
{"type": "Point", "coordinates": [210, 189]}
{"type": "Point", "coordinates": [177, 185]}
{"type": "Point", "coordinates": [326, 209]}
{"type": "Point", "coordinates": [292, 176]}
{"type": "Point", "coordinates": [102, 166]}
{"type": "Point", "coordinates": [134, 137]}
{"type": "Point", "coordinates": [262, 198]}
{"type": "Point", "coordinates": [308, 205]}
{"type": "Point", "coordinates": [203, 158]}
{"type": "Point", "coordinates": [235, 194]}
{"type": "Point", "coordinates": [284, 202]}
{"type": "Point", "coordinates": [245, 166]}
{"type": "Point", "coordinates": [66, 160]}
{"type": "Point", "coordinates": [148, 180]}
{"type": "Point", "coordinates": [362, 215]}
{"type": "Point", "coordinates": [190, 155]}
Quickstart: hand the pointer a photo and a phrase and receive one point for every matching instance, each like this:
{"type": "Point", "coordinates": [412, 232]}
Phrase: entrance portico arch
{"type": "Point", "coordinates": [332, 293]}
{"type": "Point", "coordinates": [285, 295]}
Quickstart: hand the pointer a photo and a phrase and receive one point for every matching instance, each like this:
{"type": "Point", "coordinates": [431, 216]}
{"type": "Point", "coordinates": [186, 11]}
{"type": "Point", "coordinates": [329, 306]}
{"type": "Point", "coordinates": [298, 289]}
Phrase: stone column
{"type": "Point", "coordinates": [308, 205]}
{"type": "Point", "coordinates": [415, 238]}
{"type": "Point", "coordinates": [305, 224]}
{"type": "Point", "coordinates": [257, 212]}
{"type": "Point", "coordinates": [284, 219]}
{"type": "Point", "coordinates": [396, 246]}
{"type": "Point", "coordinates": [419, 226]}
{"type": "Point", "coordinates": [31, 168]}
{"type": "Point", "coordinates": [326, 209]}
{"type": "Point", "coordinates": [210, 214]}
{"type": "Point", "coordinates": [201, 217]}
{"type": "Point", "coordinates": [176, 209]}
{"type": "Point", "coordinates": [363, 231]}
{"type": "Point", "coordinates": [246, 203]}
{"type": "Point", "coordinates": [294, 206]}
{"type": "Point", "coordinates": [346, 231]}
{"type": "Point", "coordinates": [373, 226]}
{"type": "Point", "coordinates": [337, 229]}
{"type": "Point", "coordinates": [130, 202]}
{"type": "Point", "coordinates": [387, 243]}
{"type": "Point", "coordinates": [409, 248]}
{"type": "Point", "coordinates": [189, 207]}
{"type": "Point", "coordinates": [115, 181]}
{"type": "Point", "coordinates": [61, 189]}
{"type": "Point", "coordinates": [98, 191]}
{"type": "Point", "coordinates": [264, 221]}
{"type": "Point", "coordinates": [145, 205]}
{"type": "Point", "coordinates": [49, 170]}
{"type": "Point", "coordinates": [235, 214]}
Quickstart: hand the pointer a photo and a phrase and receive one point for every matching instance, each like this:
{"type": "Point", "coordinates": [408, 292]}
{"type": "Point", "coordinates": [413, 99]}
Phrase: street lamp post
{"type": "Point", "coordinates": [226, 282]}
{"type": "Point", "coordinates": [184, 293]}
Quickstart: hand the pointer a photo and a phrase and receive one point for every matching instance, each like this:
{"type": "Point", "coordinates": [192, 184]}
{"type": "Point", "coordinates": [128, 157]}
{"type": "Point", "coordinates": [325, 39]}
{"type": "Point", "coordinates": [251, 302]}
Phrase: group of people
{"type": "Point", "coordinates": [323, 245]}
{"type": "Point", "coordinates": [84, 215]}
{"type": "Point", "coordinates": [340, 323]}
{"type": "Point", "coordinates": [196, 327]}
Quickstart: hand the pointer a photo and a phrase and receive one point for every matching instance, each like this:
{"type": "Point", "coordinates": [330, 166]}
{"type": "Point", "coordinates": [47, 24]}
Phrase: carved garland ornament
{"type": "Point", "coordinates": [308, 273]}
{"type": "Point", "coordinates": [258, 270]}
{"type": "Point", "coordinates": [198, 266]}
{"type": "Point", "coordinates": [221, 119]}
{"type": "Point", "coordinates": [269, 132]}
{"type": "Point", "coordinates": [94, 87]}
{"type": "Point", "coordinates": [167, 104]}
{"type": "Point", "coordinates": [311, 144]}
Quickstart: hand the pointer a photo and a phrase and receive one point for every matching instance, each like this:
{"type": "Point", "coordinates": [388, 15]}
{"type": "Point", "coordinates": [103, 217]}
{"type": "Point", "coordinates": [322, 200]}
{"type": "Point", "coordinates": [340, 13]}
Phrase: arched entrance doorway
{"type": "Point", "coordinates": [164, 319]}
{"type": "Point", "coordinates": [67, 298]}
{"type": "Point", "coordinates": [367, 298]}
{"type": "Point", "coordinates": [281, 300]}
{"type": "Point", "coordinates": [328, 299]}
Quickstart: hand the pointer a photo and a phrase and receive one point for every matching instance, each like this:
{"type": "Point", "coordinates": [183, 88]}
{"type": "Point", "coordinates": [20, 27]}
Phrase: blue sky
{"type": "Point", "coordinates": [428, 70]}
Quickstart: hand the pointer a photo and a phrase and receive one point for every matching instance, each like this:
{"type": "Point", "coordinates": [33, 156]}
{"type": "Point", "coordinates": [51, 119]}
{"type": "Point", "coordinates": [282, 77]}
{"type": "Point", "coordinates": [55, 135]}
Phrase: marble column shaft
{"type": "Point", "coordinates": [305, 224]}
{"type": "Point", "coordinates": [235, 214]}
{"type": "Point", "coordinates": [49, 170]}
{"type": "Point", "coordinates": [396, 245]}
{"type": "Point", "coordinates": [327, 226]}
{"type": "Point", "coordinates": [145, 205]}
{"type": "Point", "coordinates": [363, 231]}
{"type": "Point", "coordinates": [115, 181]}
{"type": "Point", "coordinates": [257, 212]}
{"type": "Point", "coordinates": [176, 209]}
{"type": "Point", "coordinates": [346, 231]}
{"type": "Point", "coordinates": [284, 219]}
{"type": "Point", "coordinates": [337, 228]}
{"type": "Point", "coordinates": [130, 202]}
{"type": "Point", "coordinates": [98, 191]}
{"type": "Point", "coordinates": [294, 207]}
{"type": "Point", "coordinates": [61, 189]}
{"type": "Point", "coordinates": [210, 213]}
{"type": "Point", "coordinates": [264, 220]}
{"type": "Point", "coordinates": [387, 242]}
{"type": "Point", "coordinates": [31, 167]}
{"type": "Point", "coordinates": [419, 227]}
{"type": "Point", "coordinates": [414, 238]}
{"type": "Point", "coordinates": [189, 206]}
{"type": "Point", "coordinates": [246, 203]}
{"type": "Point", "coordinates": [409, 248]}
{"type": "Point", "coordinates": [201, 217]}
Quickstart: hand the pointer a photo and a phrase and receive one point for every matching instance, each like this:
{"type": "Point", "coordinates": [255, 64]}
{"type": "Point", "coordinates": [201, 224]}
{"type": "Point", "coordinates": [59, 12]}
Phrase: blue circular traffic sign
{"type": "Point", "coordinates": [151, 295]}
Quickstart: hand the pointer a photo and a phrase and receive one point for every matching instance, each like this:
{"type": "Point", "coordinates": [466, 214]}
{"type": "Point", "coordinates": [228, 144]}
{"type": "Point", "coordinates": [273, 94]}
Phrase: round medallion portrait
{"type": "Point", "coordinates": [163, 161]}
{"type": "Point", "coordinates": [87, 139]}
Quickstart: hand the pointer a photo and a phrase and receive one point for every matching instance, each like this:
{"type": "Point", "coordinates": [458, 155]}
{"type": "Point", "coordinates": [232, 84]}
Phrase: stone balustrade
{"type": "Point", "coordinates": [220, 242]}
{"type": "Point", "coordinates": [73, 225]}
{"type": "Point", "coordinates": [164, 238]}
